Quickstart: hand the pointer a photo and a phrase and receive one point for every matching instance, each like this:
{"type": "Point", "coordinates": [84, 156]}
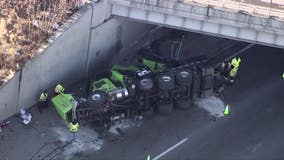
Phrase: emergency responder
{"type": "Point", "coordinates": [235, 63]}
{"type": "Point", "coordinates": [73, 128]}
{"type": "Point", "coordinates": [43, 101]}
{"type": "Point", "coordinates": [218, 71]}
{"type": "Point", "coordinates": [59, 89]}
{"type": "Point", "coordinates": [221, 77]}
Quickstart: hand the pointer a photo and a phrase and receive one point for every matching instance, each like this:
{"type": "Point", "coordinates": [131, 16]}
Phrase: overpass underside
{"type": "Point", "coordinates": [208, 19]}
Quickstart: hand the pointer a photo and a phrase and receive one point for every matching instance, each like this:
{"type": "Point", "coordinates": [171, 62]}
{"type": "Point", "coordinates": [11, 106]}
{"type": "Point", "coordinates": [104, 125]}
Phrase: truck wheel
{"type": "Point", "coordinates": [98, 98]}
{"type": "Point", "coordinates": [184, 77]}
{"type": "Point", "coordinates": [145, 84]}
{"type": "Point", "coordinates": [165, 108]}
{"type": "Point", "coordinates": [183, 103]}
{"type": "Point", "coordinates": [166, 82]}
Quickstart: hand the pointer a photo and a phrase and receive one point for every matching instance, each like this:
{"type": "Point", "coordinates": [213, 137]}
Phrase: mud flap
{"type": "Point", "coordinates": [196, 84]}
{"type": "Point", "coordinates": [207, 83]}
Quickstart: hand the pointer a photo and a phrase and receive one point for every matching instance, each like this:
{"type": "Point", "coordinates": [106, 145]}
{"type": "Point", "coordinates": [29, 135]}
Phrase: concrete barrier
{"type": "Point", "coordinates": [9, 97]}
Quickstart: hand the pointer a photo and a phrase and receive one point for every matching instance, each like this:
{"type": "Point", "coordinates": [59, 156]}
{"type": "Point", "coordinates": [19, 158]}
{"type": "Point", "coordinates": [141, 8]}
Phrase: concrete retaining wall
{"type": "Point", "coordinates": [64, 60]}
{"type": "Point", "coordinates": [115, 35]}
{"type": "Point", "coordinates": [8, 97]}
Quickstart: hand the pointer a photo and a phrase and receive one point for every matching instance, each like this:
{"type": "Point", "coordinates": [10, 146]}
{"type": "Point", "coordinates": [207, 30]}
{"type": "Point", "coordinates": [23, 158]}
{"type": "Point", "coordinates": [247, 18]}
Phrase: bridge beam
{"type": "Point", "coordinates": [206, 20]}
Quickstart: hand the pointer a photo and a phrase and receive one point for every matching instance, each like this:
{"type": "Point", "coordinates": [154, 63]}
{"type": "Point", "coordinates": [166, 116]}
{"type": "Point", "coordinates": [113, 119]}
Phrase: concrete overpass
{"type": "Point", "coordinates": [252, 21]}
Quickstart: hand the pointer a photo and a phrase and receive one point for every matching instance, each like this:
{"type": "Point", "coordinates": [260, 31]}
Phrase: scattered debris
{"type": "Point", "coordinates": [55, 26]}
{"type": "Point", "coordinates": [213, 105]}
{"type": "Point", "coordinates": [121, 125]}
{"type": "Point", "coordinates": [120, 131]}
{"type": "Point", "coordinates": [82, 100]}
{"type": "Point", "coordinates": [4, 124]}
{"type": "Point", "coordinates": [213, 119]}
{"type": "Point", "coordinates": [26, 117]}
{"type": "Point", "coordinates": [86, 140]}
{"type": "Point", "coordinates": [36, 23]}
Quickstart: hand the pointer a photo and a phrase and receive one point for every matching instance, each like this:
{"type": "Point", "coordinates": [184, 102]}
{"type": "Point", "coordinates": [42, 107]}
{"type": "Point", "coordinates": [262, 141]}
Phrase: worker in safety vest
{"type": "Point", "coordinates": [221, 75]}
{"type": "Point", "coordinates": [43, 100]}
{"type": "Point", "coordinates": [59, 89]}
{"type": "Point", "coordinates": [73, 128]}
{"type": "Point", "coordinates": [235, 63]}
{"type": "Point", "coordinates": [219, 70]}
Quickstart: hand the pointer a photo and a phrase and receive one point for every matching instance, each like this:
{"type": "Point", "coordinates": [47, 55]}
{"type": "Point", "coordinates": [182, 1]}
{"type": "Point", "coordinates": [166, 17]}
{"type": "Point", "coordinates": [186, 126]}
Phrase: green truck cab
{"type": "Point", "coordinates": [104, 84]}
{"type": "Point", "coordinates": [112, 88]}
{"type": "Point", "coordinates": [64, 105]}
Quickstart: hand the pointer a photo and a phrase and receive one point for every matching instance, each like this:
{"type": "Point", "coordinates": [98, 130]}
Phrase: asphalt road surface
{"type": "Point", "coordinates": [255, 129]}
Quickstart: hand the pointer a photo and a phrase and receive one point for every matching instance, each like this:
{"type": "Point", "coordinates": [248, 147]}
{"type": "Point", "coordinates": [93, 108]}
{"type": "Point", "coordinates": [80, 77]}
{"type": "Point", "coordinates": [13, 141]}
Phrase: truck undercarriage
{"type": "Point", "coordinates": [152, 84]}
{"type": "Point", "coordinates": [148, 86]}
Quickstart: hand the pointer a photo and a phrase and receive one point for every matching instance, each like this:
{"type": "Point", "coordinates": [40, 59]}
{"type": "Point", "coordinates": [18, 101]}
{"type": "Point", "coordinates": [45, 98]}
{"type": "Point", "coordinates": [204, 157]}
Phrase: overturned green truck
{"type": "Point", "coordinates": [151, 85]}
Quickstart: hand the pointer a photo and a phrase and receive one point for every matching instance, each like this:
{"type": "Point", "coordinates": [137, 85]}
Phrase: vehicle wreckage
{"type": "Point", "coordinates": [153, 84]}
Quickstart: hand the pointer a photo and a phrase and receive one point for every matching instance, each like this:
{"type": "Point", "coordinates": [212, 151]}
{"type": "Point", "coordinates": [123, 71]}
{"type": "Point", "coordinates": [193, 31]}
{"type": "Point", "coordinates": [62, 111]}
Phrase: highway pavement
{"type": "Point", "coordinates": [254, 130]}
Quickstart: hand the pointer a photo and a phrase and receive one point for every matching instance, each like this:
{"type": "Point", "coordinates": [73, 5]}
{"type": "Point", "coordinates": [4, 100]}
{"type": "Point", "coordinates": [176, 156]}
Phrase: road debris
{"type": "Point", "coordinates": [120, 126]}
{"type": "Point", "coordinates": [26, 117]}
{"type": "Point", "coordinates": [213, 105]}
{"type": "Point", "coordinates": [4, 124]}
{"type": "Point", "coordinates": [86, 140]}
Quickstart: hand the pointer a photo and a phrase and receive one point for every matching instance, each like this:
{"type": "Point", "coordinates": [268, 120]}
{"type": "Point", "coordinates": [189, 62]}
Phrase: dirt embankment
{"type": "Point", "coordinates": [25, 25]}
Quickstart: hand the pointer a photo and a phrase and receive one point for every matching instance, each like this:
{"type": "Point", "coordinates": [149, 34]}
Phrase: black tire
{"type": "Point", "coordinates": [183, 103]}
{"type": "Point", "coordinates": [165, 108]}
{"type": "Point", "coordinates": [166, 82]}
{"type": "Point", "coordinates": [184, 77]}
{"type": "Point", "coordinates": [146, 84]}
{"type": "Point", "coordinates": [98, 98]}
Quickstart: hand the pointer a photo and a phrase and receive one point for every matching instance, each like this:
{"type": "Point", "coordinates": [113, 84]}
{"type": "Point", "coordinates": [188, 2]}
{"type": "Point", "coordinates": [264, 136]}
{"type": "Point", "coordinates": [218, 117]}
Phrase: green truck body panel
{"type": "Point", "coordinates": [125, 68]}
{"type": "Point", "coordinates": [117, 77]}
{"type": "Point", "coordinates": [154, 66]}
{"type": "Point", "coordinates": [63, 105]}
{"type": "Point", "coordinates": [103, 84]}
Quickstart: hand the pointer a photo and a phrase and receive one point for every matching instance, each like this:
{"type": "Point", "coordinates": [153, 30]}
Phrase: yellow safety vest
{"type": "Point", "coordinates": [59, 88]}
{"type": "Point", "coordinates": [43, 97]}
{"type": "Point", "coordinates": [233, 72]}
{"type": "Point", "coordinates": [73, 127]}
{"type": "Point", "coordinates": [236, 62]}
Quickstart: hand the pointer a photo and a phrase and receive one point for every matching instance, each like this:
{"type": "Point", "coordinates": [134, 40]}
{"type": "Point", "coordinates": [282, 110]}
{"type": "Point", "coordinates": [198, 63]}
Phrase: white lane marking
{"type": "Point", "coordinates": [170, 149]}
